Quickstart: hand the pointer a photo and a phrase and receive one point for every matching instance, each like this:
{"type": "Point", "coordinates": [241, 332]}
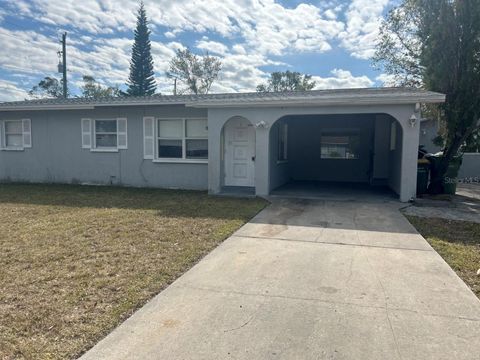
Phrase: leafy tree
{"type": "Point", "coordinates": [287, 81]}
{"type": "Point", "coordinates": [399, 47]}
{"type": "Point", "coordinates": [472, 144]}
{"type": "Point", "coordinates": [49, 87]}
{"type": "Point", "coordinates": [92, 89]}
{"type": "Point", "coordinates": [141, 81]}
{"type": "Point", "coordinates": [197, 73]}
{"type": "Point", "coordinates": [435, 44]}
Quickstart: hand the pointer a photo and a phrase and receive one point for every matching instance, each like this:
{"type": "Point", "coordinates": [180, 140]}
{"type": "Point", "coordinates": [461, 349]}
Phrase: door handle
{"type": "Point", "coordinates": [253, 158]}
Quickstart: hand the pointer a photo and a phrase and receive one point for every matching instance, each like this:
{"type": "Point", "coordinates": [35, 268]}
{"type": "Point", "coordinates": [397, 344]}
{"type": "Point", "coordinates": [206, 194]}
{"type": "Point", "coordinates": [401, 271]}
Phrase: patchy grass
{"type": "Point", "coordinates": [76, 261]}
{"type": "Point", "coordinates": [458, 242]}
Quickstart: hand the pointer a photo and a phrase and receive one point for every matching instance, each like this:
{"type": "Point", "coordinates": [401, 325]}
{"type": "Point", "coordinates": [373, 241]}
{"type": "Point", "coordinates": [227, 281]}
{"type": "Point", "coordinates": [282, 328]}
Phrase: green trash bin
{"type": "Point", "coordinates": [423, 170]}
{"type": "Point", "coordinates": [451, 177]}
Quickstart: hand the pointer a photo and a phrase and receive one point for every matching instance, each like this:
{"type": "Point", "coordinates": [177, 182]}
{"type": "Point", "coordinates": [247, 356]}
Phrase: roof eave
{"type": "Point", "coordinates": [264, 102]}
{"type": "Point", "coordinates": [85, 107]}
{"type": "Point", "coordinates": [436, 99]}
{"type": "Point", "coordinates": [46, 107]}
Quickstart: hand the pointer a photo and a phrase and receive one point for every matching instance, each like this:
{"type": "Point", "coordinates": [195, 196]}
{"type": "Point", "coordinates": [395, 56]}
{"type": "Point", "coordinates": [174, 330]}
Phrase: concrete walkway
{"type": "Point", "coordinates": [464, 206]}
{"type": "Point", "coordinates": [310, 279]}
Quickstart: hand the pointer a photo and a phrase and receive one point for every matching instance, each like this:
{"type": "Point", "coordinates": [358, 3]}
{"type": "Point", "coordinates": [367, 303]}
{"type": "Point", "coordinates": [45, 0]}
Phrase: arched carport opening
{"type": "Point", "coordinates": [238, 156]}
{"type": "Point", "coordinates": [336, 154]}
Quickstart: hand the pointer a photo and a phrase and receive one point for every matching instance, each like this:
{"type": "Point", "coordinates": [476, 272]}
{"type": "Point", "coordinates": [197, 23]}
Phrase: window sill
{"type": "Point", "coordinates": [13, 149]}
{"type": "Point", "coordinates": [180, 161]}
{"type": "Point", "coordinates": [280, 162]}
{"type": "Point", "coordinates": [104, 150]}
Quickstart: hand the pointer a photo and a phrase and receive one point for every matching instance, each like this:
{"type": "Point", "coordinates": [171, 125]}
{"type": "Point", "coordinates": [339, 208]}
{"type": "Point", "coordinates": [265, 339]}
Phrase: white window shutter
{"type": "Point", "coordinates": [148, 137]}
{"type": "Point", "coordinates": [27, 133]}
{"type": "Point", "coordinates": [86, 133]}
{"type": "Point", "coordinates": [122, 142]}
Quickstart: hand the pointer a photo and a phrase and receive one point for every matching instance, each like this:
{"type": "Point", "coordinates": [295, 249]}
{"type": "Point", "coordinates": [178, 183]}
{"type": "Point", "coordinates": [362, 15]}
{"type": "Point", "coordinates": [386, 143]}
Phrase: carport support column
{"type": "Point", "coordinates": [262, 180]}
{"type": "Point", "coordinates": [215, 160]}
{"type": "Point", "coordinates": [410, 142]}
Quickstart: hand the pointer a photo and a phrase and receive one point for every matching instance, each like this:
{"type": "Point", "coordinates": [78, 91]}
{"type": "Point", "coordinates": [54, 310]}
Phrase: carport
{"type": "Point", "coordinates": [346, 155]}
{"type": "Point", "coordinates": [259, 142]}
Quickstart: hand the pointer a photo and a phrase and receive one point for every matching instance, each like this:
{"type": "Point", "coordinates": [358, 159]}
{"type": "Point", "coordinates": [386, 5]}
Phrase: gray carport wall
{"type": "Point", "coordinates": [405, 177]}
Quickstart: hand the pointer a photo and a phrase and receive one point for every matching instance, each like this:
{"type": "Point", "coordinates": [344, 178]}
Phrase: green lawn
{"type": "Point", "coordinates": [75, 261]}
{"type": "Point", "coordinates": [458, 242]}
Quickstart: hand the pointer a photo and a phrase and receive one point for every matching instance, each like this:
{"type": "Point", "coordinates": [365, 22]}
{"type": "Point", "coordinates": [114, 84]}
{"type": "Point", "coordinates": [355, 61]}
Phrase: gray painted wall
{"type": "Point", "coordinates": [395, 160]}
{"type": "Point", "coordinates": [305, 162]}
{"type": "Point", "coordinates": [470, 169]}
{"type": "Point", "coordinates": [57, 155]}
{"type": "Point", "coordinates": [265, 178]}
{"type": "Point", "coordinates": [304, 142]}
{"type": "Point", "coordinates": [279, 171]}
{"type": "Point", "coordinates": [381, 155]}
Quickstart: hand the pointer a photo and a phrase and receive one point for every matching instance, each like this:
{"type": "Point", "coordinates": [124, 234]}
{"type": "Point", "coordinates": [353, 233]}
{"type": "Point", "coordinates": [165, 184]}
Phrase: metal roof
{"type": "Point", "coordinates": [362, 96]}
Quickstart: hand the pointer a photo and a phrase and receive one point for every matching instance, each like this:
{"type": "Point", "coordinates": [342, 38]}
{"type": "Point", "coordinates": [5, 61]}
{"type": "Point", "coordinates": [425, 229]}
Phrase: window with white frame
{"type": "Point", "coordinates": [106, 133]}
{"type": "Point", "coordinates": [182, 139]}
{"type": "Point", "coordinates": [15, 134]}
{"type": "Point", "coordinates": [282, 142]}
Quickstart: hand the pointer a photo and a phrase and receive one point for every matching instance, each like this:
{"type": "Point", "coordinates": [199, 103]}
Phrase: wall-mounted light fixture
{"type": "Point", "coordinates": [413, 120]}
{"type": "Point", "coordinates": [262, 124]}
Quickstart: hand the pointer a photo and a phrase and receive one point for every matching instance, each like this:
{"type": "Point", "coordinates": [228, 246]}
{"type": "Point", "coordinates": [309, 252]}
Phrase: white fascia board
{"type": "Point", "coordinates": [143, 103]}
{"type": "Point", "coordinates": [47, 107]}
{"type": "Point", "coordinates": [320, 102]}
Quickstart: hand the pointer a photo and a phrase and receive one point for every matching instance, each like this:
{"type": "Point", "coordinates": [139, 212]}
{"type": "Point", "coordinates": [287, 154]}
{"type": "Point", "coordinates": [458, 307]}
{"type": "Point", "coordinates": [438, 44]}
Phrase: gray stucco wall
{"type": "Point", "coordinates": [279, 171]}
{"type": "Point", "coordinates": [305, 162]}
{"type": "Point", "coordinates": [395, 161]}
{"type": "Point", "coordinates": [381, 157]}
{"type": "Point", "coordinates": [217, 117]}
{"type": "Point", "coordinates": [304, 145]}
{"type": "Point", "coordinates": [57, 155]}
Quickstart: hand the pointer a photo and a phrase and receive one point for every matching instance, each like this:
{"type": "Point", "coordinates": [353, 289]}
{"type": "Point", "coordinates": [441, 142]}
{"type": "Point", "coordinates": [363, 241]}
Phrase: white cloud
{"type": "Point", "coordinates": [254, 32]}
{"type": "Point", "coordinates": [11, 91]}
{"type": "Point", "coordinates": [342, 79]}
{"type": "Point", "coordinates": [386, 80]}
{"type": "Point", "coordinates": [265, 26]}
{"type": "Point", "coordinates": [330, 14]}
{"type": "Point", "coordinates": [105, 16]}
{"type": "Point", "coordinates": [27, 52]}
{"type": "Point", "coordinates": [239, 49]}
{"type": "Point", "coordinates": [363, 22]}
{"type": "Point", "coordinates": [214, 47]}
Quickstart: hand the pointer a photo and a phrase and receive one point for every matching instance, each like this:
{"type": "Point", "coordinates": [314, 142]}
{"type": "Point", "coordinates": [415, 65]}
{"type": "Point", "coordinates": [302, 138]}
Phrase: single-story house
{"type": "Point", "coordinates": [253, 141]}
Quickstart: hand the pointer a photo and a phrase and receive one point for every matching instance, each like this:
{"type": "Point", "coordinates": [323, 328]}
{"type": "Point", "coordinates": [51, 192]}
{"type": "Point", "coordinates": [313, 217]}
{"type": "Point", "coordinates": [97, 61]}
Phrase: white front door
{"type": "Point", "coordinates": [239, 153]}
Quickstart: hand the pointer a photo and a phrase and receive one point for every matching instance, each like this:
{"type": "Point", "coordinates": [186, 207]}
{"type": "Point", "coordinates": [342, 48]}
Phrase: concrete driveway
{"type": "Point", "coordinates": [310, 279]}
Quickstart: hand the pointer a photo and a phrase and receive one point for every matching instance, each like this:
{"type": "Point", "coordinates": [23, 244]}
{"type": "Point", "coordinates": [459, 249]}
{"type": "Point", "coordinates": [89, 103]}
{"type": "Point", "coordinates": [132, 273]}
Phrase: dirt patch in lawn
{"type": "Point", "coordinates": [75, 261]}
{"type": "Point", "coordinates": [458, 242]}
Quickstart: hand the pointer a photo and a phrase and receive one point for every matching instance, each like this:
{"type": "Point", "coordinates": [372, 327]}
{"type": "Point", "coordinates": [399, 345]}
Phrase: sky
{"type": "Point", "coordinates": [332, 40]}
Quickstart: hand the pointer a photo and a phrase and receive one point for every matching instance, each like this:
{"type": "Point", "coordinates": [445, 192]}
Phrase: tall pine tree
{"type": "Point", "coordinates": [141, 81]}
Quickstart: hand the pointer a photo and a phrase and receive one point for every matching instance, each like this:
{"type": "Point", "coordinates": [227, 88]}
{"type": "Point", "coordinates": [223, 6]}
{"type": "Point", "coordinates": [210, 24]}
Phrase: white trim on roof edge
{"type": "Point", "coordinates": [307, 99]}
{"type": "Point", "coordinates": [321, 102]}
